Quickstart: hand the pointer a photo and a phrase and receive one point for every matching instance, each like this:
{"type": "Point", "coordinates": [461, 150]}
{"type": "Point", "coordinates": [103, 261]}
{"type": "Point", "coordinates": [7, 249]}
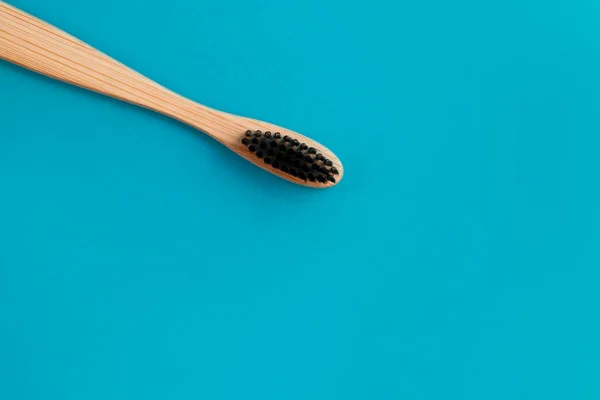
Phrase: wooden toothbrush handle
{"type": "Point", "coordinates": [41, 47]}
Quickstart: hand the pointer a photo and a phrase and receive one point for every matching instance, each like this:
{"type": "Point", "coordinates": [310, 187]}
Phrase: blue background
{"type": "Point", "coordinates": [458, 258]}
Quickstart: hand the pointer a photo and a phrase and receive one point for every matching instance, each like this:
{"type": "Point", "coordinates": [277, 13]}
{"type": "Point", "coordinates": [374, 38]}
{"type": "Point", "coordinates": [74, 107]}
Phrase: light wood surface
{"type": "Point", "coordinates": [41, 47]}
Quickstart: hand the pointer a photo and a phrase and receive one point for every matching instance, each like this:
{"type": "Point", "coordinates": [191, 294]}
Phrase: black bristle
{"type": "Point", "coordinates": [296, 158]}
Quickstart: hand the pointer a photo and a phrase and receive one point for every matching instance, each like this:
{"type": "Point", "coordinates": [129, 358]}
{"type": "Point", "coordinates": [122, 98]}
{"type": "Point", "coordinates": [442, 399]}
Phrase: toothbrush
{"type": "Point", "coordinates": [43, 48]}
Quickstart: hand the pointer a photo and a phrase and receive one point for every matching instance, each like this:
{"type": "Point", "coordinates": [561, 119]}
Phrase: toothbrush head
{"type": "Point", "coordinates": [293, 158]}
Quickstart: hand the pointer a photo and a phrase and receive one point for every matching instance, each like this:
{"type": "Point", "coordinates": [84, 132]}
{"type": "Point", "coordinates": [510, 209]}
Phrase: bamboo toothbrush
{"type": "Point", "coordinates": [38, 46]}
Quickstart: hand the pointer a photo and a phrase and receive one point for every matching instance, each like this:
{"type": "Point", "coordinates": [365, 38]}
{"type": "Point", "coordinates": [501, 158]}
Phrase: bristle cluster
{"type": "Point", "coordinates": [290, 156]}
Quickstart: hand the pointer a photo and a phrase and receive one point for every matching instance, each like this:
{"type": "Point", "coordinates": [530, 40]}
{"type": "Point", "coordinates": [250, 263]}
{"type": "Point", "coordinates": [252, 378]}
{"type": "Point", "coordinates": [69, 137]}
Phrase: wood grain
{"type": "Point", "coordinates": [41, 47]}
